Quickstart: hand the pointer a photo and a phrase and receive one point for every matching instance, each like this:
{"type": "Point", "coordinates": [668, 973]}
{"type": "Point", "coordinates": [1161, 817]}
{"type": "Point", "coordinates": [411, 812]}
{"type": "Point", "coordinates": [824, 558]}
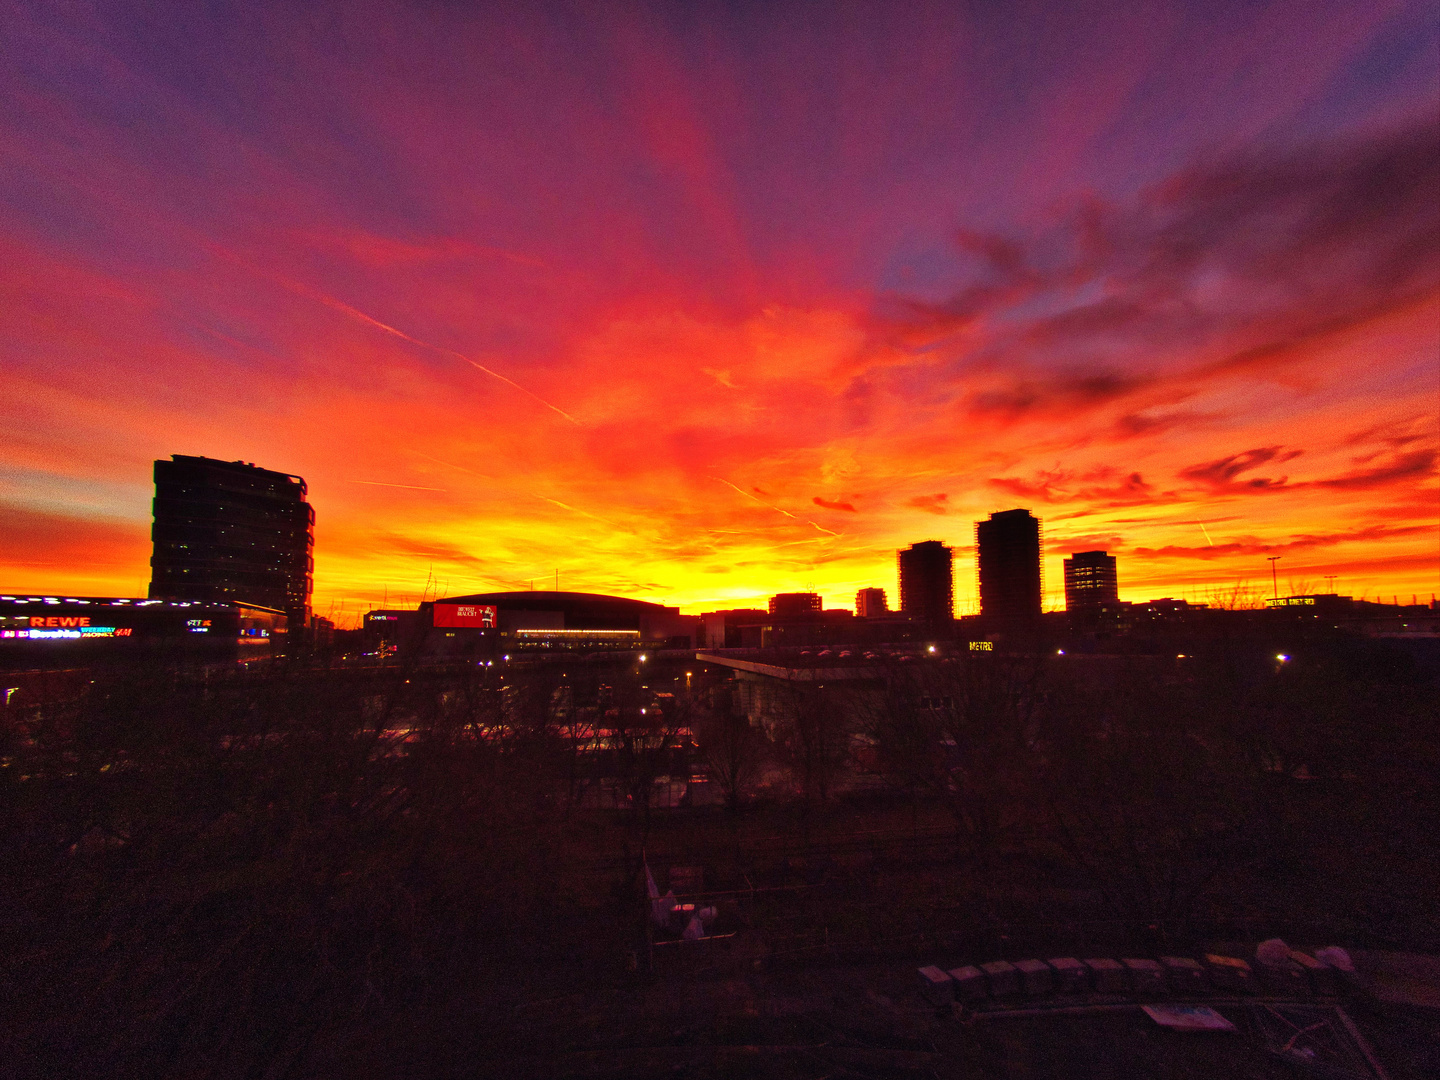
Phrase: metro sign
{"type": "Point", "coordinates": [468, 616]}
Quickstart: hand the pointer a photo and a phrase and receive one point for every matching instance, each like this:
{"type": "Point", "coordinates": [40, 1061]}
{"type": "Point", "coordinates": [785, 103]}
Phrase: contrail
{"type": "Point", "coordinates": [452, 465]}
{"type": "Point", "coordinates": [533, 495]}
{"type": "Point", "coordinates": [412, 487]}
{"type": "Point", "coordinates": [777, 509]}
{"type": "Point", "coordinates": [582, 513]}
{"type": "Point", "coordinates": [512, 382]}
{"type": "Point", "coordinates": [356, 313]}
{"type": "Point", "coordinates": [752, 498]}
{"type": "Point", "coordinates": [1206, 532]}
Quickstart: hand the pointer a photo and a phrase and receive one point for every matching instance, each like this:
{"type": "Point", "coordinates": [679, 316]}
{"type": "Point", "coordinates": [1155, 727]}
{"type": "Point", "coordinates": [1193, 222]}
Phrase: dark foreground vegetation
{"type": "Point", "coordinates": [409, 871]}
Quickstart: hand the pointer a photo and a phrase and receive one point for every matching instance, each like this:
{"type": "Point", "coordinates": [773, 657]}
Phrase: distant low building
{"type": "Point", "coordinates": [871, 604]}
{"type": "Point", "coordinates": [734, 628]}
{"type": "Point", "coordinates": [794, 625]}
{"type": "Point", "coordinates": [320, 633]}
{"type": "Point", "coordinates": [795, 603]}
{"type": "Point", "coordinates": [1367, 617]}
{"type": "Point", "coordinates": [387, 629]}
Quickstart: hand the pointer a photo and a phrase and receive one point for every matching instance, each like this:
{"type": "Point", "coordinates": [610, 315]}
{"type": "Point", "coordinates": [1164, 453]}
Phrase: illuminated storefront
{"type": "Point", "coordinates": [47, 631]}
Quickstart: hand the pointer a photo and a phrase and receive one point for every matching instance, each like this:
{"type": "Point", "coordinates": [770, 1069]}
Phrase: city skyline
{"type": "Point", "coordinates": [701, 309]}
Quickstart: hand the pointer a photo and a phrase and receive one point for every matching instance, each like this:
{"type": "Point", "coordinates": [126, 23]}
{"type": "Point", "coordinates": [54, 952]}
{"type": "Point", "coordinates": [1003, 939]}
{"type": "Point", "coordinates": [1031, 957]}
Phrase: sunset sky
{"type": "Point", "coordinates": [700, 302]}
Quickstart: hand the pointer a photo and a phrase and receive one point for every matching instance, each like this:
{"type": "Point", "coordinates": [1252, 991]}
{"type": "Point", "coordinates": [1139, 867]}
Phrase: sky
{"type": "Point", "coordinates": [697, 303]}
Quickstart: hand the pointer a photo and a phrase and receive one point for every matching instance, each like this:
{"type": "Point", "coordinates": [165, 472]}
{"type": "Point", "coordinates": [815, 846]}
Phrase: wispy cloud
{"type": "Point", "coordinates": [1239, 265]}
{"type": "Point", "coordinates": [1225, 472]}
{"type": "Point", "coordinates": [1405, 468]}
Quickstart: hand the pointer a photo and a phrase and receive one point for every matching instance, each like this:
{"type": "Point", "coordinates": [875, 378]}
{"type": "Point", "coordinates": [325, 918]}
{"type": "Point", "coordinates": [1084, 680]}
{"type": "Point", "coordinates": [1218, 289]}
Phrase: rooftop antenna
{"type": "Point", "coordinates": [1274, 581]}
{"type": "Point", "coordinates": [557, 579]}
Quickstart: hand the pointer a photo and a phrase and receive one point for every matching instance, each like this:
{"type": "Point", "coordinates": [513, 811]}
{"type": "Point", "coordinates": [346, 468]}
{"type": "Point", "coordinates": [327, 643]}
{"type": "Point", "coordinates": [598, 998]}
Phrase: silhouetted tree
{"type": "Point", "coordinates": [1149, 795]}
{"type": "Point", "coordinates": [958, 730]}
{"type": "Point", "coordinates": [730, 746]}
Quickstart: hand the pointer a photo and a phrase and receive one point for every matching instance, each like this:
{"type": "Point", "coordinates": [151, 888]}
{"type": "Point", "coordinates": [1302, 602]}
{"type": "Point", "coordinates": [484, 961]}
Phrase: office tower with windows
{"type": "Point", "coordinates": [1091, 585]}
{"type": "Point", "coordinates": [230, 531]}
{"type": "Point", "coordinates": [870, 603]}
{"type": "Point", "coordinates": [795, 603]}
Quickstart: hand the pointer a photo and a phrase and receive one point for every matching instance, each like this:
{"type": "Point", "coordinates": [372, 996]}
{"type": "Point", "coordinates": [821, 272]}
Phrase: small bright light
{"type": "Point", "coordinates": [1179, 656]}
{"type": "Point", "coordinates": [642, 712]}
{"type": "Point", "coordinates": [930, 649]}
{"type": "Point", "coordinates": [1059, 652]}
{"type": "Point", "coordinates": [642, 657]}
{"type": "Point", "coordinates": [507, 656]}
{"type": "Point", "coordinates": [1281, 657]}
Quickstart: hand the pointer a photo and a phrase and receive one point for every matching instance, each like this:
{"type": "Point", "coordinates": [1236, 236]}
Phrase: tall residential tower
{"type": "Point", "coordinates": [1008, 552]}
{"type": "Point", "coordinates": [927, 582]}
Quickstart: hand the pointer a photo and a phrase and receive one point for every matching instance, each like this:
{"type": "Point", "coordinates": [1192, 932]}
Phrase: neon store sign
{"type": "Point", "coordinates": [64, 628]}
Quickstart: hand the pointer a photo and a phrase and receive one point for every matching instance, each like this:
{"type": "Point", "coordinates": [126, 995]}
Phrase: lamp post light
{"type": "Point", "coordinates": [1274, 581]}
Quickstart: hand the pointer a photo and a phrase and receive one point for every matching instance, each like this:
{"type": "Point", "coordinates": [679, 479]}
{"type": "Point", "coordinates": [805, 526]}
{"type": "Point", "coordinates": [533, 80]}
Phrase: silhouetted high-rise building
{"type": "Point", "coordinates": [870, 603]}
{"type": "Point", "coordinates": [225, 530]}
{"type": "Point", "coordinates": [927, 582]}
{"type": "Point", "coordinates": [1008, 553]}
{"type": "Point", "coordinates": [794, 603]}
{"type": "Point", "coordinates": [1091, 585]}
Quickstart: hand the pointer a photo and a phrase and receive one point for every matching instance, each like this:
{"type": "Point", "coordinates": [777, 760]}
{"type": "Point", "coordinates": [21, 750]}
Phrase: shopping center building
{"type": "Point", "coordinates": [81, 631]}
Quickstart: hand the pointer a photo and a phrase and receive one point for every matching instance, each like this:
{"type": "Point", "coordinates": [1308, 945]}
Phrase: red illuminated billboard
{"type": "Point", "coordinates": [468, 616]}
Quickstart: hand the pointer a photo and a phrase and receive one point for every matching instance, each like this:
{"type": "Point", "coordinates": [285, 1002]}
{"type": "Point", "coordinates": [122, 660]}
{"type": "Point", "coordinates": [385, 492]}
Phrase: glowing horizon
{"type": "Point", "coordinates": [702, 306]}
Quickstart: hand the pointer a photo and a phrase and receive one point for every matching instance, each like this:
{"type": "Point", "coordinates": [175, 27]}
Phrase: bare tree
{"type": "Point", "coordinates": [958, 729]}
{"type": "Point", "coordinates": [731, 747]}
{"type": "Point", "coordinates": [1145, 791]}
{"type": "Point", "coordinates": [813, 733]}
{"type": "Point", "coordinates": [643, 736]}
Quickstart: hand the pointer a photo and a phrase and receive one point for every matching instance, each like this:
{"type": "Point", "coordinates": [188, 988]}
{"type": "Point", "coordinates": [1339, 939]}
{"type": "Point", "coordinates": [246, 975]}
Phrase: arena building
{"type": "Point", "coordinates": [529, 621]}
